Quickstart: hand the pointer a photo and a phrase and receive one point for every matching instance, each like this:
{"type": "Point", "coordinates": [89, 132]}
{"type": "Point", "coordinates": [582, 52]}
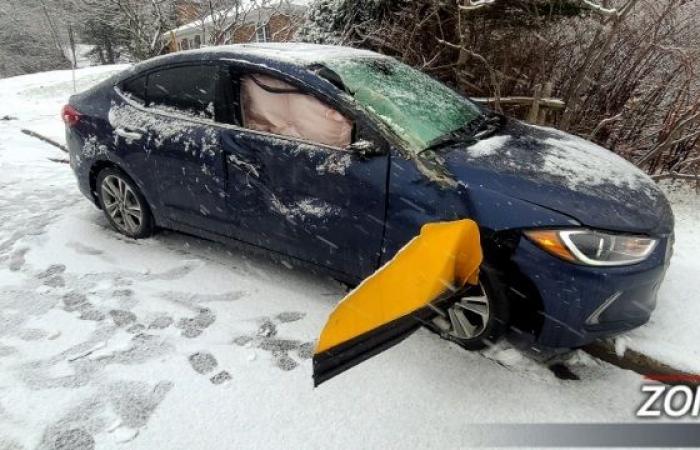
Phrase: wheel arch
{"type": "Point", "coordinates": [95, 169]}
{"type": "Point", "coordinates": [102, 164]}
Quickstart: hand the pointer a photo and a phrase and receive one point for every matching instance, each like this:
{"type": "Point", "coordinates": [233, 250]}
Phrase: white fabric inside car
{"type": "Point", "coordinates": [277, 107]}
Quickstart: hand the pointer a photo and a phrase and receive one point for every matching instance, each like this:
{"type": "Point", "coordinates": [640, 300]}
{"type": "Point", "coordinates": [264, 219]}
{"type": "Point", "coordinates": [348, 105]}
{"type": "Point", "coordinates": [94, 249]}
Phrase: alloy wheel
{"type": "Point", "coordinates": [465, 319]}
{"type": "Point", "coordinates": [121, 204]}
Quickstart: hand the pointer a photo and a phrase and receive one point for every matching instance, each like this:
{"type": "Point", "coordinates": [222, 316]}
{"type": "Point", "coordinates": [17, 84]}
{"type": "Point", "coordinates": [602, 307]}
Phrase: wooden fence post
{"type": "Point", "coordinates": [535, 108]}
{"type": "Point", "coordinates": [542, 118]}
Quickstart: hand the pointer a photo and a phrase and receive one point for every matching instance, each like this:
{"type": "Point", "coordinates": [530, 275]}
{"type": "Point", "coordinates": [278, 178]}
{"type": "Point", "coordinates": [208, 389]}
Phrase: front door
{"type": "Point", "coordinates": [295, 189]}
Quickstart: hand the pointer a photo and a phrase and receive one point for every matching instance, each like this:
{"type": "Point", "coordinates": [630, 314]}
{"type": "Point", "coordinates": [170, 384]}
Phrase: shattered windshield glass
{"type": "Point", "coordinates": [416, 107]}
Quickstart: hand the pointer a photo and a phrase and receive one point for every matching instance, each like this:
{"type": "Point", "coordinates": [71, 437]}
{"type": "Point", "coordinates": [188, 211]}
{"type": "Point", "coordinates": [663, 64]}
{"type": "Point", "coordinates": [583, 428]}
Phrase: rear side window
{"type": "Point", "coordinates": [188, 90]}
{"type": "Point", "coordinates": [135, 89]}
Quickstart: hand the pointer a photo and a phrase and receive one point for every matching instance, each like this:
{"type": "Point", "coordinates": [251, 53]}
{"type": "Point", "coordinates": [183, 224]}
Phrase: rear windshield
{"type": "Point", "coordinates": [416, 107]}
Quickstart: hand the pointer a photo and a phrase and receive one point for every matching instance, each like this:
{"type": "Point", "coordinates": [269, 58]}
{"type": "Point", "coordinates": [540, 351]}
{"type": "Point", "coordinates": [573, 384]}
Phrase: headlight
{"type": "Point", "coordinates": [594, 248]}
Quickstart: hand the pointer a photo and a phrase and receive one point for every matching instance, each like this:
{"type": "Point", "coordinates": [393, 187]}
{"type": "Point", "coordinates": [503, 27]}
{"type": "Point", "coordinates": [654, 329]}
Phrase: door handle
{"type": "Point", "coordinates": [129, 134]}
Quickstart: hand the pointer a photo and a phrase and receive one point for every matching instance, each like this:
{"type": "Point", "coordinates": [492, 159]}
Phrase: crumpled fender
{"type": "Point", "coordinates": [393, 302]}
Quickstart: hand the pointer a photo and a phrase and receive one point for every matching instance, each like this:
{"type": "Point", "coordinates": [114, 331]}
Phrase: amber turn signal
{"type": "Point", "coordinates": [550, 241]}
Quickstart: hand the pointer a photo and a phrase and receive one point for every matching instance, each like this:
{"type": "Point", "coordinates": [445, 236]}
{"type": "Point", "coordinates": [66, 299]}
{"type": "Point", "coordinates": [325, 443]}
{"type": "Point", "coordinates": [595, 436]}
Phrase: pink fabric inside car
{"type": "Point", "coordinates": [276, 107]}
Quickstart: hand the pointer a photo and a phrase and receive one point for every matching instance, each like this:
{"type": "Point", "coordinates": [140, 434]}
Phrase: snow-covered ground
{"type": "Point", "coordinates": [673, 334]}
{"type": "Point", "coordinates": [175, 342]}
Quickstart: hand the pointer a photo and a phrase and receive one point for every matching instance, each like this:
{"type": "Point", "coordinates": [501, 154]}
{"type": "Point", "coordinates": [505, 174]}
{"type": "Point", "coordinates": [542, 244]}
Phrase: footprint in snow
{"type": "Point", "coordinates": [75, 301]}
{"type": "Point", "coordinates": [265, 338]}
{"type": "Point", "coordinates": [122, 318]}
{"type": "Point", "coordinates": [290, 316]}
{"type": "Point", "coordinates": [33, 334]}
{"type": "Point", "coordinates": [194, 326]}
{"type": "Point", "coordinates": [83, 249]}
{"type": "Point", "coordinates": [204, 363]}
{"type": "Point", "coordinates": [17, 259]}
{"type": "Point", "coordinates": [52, 270]}
{"type": "Point", "coordinates": [53, 276]}
{"type": "Point", "coordinates": [132, 402]}
{"type": "Point", "coordinates": [161, 323]}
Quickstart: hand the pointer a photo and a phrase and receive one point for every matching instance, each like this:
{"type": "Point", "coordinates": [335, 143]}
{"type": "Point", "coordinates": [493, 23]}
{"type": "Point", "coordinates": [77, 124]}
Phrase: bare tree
{"type": "Point", "coordinates": [30, 33]}
{"type": "Point", "coordinates": [220, 19]}
{"type": "Point", "coordinates": [139, 24]}
{"type": "Point", "coordinates": [622, 72]}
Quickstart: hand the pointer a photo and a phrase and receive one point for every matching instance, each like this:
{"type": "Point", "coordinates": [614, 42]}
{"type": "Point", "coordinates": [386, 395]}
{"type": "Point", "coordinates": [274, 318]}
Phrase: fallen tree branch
{"type": "Point", "coordinates": [602, 124]}
{"type": "Point", "coordinates": [551, 103]}
{"type": "Point", "coordinates": [642, 364]}
{"type": "Point", "coordinates": [50, 141]}
{"type": "Point", "coordinates": [601, 9]}
{"type": "Point", "coordinates": [472, 5]}
{"type": "Point", "coordinates": [675, 176]}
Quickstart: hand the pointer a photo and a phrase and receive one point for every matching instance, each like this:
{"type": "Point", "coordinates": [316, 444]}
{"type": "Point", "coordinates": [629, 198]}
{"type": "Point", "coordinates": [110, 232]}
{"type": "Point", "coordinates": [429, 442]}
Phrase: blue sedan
{"type": "Point", "coordinates": [333, 158]}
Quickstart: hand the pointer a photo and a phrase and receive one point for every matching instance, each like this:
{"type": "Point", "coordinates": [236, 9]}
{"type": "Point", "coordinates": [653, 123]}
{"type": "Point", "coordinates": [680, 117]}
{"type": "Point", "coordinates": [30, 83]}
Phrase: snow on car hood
{"type": "Point", "coordinates": [567, 174]}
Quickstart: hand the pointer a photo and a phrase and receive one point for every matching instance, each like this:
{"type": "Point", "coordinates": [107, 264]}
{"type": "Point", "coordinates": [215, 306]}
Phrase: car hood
{"type": "Point", "coordinates": [563, 173]}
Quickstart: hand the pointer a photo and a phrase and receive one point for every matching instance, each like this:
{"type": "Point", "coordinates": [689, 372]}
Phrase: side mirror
{"type": "Point", "coordinates": [365, 148]}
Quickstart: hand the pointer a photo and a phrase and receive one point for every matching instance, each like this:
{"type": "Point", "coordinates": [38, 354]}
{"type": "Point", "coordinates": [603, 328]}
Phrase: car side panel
{"type": "Point", "coordinates": [190, 172]}
{"type": "Point", "coordinates": [94, 143]}
{"type": "Point", "coordinates": [415, 199]}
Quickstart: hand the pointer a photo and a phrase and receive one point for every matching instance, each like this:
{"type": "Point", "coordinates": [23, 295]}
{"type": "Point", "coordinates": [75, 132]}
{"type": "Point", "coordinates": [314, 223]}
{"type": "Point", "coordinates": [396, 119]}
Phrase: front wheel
{"type": "Point", "coordinates": [475, 320]}
{"type": "Point", "coordinates": [124, 205]}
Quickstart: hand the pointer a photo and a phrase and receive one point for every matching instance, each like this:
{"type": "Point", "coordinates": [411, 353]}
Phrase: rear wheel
{"type": "Point", "coordinates": [123, 204]}
{"type": "Point", "coordinates": [474, 320]}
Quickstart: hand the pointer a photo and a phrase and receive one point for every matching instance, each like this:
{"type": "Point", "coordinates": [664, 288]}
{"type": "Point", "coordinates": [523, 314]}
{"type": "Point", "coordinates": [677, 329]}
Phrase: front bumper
{"type": "Point", "coordinates": [579, 304]}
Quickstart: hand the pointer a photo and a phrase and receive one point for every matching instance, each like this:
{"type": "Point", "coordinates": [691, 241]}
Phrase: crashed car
{"type": "Point", "coordinates": [334, 158]}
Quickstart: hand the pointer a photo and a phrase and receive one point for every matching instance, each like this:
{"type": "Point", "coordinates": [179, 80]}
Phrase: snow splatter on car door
{"type": "Point", "coordinates": [318, 204]}
{"type": "Point", "coordinates": [185, 146]}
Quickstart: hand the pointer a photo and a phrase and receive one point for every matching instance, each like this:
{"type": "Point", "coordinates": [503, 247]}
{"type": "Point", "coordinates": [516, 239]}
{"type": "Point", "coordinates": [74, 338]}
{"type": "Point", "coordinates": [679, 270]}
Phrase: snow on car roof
{"type": "Point", "coordinates": [293, 53]}
{"type": "Point", "coordinates": [305, 53]}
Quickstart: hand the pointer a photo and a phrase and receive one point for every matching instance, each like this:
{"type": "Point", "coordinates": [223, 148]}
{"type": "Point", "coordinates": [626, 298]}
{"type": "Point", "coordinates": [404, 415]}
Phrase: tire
{"type": "Point", "coordinates": [124, 205]}
{"type": "Point", "coordinates": [484, 310]}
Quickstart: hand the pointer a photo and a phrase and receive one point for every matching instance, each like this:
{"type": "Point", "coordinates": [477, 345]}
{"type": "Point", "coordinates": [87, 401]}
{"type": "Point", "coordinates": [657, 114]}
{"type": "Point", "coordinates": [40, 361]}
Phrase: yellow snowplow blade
{"type": "Point", "coordinates": [391, 304]}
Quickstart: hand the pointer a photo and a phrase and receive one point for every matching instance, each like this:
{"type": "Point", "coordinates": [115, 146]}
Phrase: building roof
{"type": "Point", "coordinates": [248, 16]}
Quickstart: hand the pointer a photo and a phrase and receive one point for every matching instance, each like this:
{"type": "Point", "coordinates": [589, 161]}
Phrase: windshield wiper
{"type": "Point", "coordinates": [446, 139]}
{"type": "Point", "coordinates": [479, 128]}
{"type": "Point", "coordinates": [486, 125]}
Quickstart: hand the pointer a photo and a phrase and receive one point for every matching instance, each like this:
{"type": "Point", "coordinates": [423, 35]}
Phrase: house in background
{"type": "Point", "coordinates": [276, 23]}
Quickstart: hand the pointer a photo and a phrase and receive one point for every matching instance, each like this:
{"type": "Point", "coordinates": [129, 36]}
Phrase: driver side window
{"type": "Point", "coordinates": [274, 106]}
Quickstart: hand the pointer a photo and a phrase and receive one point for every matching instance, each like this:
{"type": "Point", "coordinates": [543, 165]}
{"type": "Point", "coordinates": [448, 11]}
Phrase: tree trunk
{"type": "Point", "coordinates": [110, 51]}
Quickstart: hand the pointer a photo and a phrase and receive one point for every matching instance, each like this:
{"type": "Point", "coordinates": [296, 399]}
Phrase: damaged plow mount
{"type": "Point", "coordinates": [392, 303]}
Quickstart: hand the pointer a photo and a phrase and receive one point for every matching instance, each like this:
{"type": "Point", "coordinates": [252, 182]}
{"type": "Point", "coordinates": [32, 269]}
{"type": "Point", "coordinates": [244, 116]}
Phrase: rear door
{"type": "Point", "coordinates": [128, 123]}
{"type": "Point", "coordinates": [185, 144]}
{"type": "Point", "coordinates": [295, 187]}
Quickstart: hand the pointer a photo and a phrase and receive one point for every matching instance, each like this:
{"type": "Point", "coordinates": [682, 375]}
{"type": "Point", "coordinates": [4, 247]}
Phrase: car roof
{"type": "Point", "coordinates": [299, 55]}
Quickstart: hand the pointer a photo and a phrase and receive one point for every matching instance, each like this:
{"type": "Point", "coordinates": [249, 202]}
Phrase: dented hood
{"type": "Point", "coordinates": [564, 173]}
